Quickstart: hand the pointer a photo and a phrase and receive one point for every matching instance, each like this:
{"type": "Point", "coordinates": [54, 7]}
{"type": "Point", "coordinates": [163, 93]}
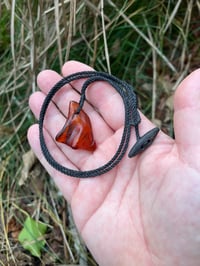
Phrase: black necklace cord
{"type": "Point", "coordinates": [131, 118]}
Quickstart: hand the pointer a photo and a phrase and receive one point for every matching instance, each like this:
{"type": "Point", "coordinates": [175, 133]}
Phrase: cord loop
{"type": "Point", "coordinates": [132, 118]}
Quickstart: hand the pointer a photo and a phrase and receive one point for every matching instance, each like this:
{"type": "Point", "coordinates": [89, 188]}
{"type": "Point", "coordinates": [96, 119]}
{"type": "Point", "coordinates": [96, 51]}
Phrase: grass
{"type": "Point", "coordinates": [153, 45]}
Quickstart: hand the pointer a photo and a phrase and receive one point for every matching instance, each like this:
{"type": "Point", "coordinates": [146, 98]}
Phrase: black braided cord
{"type": "Point", "coordinates": [132, 118]}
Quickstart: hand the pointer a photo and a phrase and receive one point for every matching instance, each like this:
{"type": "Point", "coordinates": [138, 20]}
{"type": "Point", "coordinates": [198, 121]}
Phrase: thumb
{"type": "Point", "coordinates": [187, 116]}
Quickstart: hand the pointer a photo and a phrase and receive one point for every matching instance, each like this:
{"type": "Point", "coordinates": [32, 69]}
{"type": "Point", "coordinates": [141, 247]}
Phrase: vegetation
{"type": "Point", "coordinates": [151, 44]}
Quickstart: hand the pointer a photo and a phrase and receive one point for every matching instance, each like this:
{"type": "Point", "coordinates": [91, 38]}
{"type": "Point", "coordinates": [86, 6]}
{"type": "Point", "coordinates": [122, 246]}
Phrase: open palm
{"type": "Point", "coordinates": [146, 211]}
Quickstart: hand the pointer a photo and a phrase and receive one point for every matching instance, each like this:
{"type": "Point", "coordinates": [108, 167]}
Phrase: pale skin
{"type": "Point", "coordinates": [146, 211]}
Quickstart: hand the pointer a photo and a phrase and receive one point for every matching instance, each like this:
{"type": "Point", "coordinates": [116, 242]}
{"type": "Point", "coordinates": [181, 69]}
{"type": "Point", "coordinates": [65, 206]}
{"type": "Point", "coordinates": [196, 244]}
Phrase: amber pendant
{"type": "Point", "coordinates": [77, 131]}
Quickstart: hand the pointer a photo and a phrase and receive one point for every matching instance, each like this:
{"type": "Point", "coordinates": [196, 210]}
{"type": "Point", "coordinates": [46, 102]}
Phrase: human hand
{"type": "Point", "coordinates": [145, 211]}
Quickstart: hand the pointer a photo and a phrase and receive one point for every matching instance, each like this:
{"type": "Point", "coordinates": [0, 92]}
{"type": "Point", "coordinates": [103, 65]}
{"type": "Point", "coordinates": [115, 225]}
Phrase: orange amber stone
{"type": "Point", "coordinates": [77, 131]}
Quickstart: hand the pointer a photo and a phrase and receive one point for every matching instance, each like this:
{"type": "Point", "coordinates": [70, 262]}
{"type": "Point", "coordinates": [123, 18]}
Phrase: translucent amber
{"type": "Point", "coordinates": [77, 131]}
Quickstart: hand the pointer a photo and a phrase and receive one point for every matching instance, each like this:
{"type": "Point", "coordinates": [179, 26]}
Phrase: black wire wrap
{"type": "Point", "coordinates": [132, 118]}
